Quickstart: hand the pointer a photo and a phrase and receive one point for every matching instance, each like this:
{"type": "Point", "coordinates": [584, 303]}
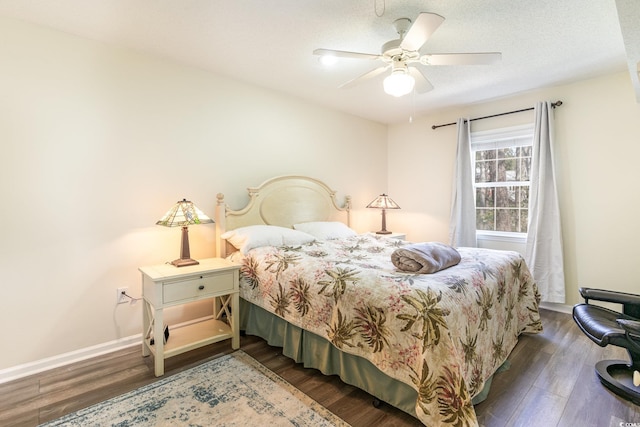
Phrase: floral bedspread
{"type": "Point", "coordinates": [443, 333]}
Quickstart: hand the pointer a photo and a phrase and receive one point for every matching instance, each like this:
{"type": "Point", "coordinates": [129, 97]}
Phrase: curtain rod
{"type": "Point", "coordinates": [553, 105]}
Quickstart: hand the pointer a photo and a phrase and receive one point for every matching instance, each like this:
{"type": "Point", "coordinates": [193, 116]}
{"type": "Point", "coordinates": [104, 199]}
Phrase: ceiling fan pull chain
{"type": "Point", "coordinates": [413, 106]}
{"type": "Point", "coordinates": [375, 8]}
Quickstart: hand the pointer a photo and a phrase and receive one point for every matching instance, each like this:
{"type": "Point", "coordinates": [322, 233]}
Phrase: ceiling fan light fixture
{"type": "Point", "coordinates": [328, 60]}
{"type": "Point", "coordinates": [398, 83]}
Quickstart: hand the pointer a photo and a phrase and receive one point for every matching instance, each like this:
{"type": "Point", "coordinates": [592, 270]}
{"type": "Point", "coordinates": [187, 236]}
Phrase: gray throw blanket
{"type": "Point", "coordinates": [427, 257]}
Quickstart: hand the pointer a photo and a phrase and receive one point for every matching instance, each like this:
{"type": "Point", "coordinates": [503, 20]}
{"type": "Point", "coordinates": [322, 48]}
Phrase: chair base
{"type": "Point", "coordinates": [617, 376]}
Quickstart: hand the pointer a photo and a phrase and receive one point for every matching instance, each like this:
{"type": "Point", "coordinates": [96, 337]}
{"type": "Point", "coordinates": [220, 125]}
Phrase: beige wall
{"type": "Point", "coordinates": [98, 143]}
{"type": "Point", "coordinates": [597, 151]}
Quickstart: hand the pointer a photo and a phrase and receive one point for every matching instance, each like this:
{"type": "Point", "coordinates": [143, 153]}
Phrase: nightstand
{"type": "Point", "coordinates": [399, 236]}
{"type": "Point", "coordinates": [165, 285]}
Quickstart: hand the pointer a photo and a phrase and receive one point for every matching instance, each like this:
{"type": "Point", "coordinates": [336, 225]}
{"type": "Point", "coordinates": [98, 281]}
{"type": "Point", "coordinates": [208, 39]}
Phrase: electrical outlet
{"type": "Point", "coordinates": [121, 298]}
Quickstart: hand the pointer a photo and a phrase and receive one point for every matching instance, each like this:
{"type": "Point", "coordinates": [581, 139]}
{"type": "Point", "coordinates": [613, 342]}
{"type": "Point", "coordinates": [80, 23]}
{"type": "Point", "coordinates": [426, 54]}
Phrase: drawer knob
{"type": "Point", "coordinates": [201, 287]}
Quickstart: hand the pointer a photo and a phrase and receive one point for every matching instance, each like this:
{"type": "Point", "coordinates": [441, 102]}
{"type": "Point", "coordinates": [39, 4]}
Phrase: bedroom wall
{"type": "Point", "coordinates": [99, 142]}
{"type": "Point", "coordinates": [597, 149]}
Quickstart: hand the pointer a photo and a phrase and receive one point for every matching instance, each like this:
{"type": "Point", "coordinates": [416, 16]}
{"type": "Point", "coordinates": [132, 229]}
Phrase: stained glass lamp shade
{"type": "Point", "coordinates": [183, 214]}
{"type": "Point", "coordinates": [383, 202]}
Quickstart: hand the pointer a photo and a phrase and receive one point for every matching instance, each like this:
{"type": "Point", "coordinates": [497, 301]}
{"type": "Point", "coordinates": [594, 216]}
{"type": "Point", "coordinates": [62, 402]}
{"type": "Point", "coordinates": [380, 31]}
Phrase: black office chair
{"type": "Point", "coordinates": [605, 326]}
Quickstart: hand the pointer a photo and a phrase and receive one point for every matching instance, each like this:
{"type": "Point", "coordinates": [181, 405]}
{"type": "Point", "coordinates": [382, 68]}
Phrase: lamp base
{"type": "Point", "coordinates": [183, 262]}
{"type": "Point", "coordinates": [383, 232]}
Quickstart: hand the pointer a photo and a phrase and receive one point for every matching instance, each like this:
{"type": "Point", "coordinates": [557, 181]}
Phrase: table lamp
{"type": "Point", "coordinates": [383, 202]}
{"type": "Point", "coordinates": [183, 214]}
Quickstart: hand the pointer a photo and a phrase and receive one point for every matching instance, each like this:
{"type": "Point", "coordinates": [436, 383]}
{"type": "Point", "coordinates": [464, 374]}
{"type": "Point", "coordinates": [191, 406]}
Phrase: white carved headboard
{"type": "Point", "coordinates": [282, 201]}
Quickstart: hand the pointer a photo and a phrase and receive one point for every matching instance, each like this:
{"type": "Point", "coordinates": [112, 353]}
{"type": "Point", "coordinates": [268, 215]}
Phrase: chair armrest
{"type": "Point", "coordinates": [630, 302]}
{"type": "Point", "coordinates": [609, 296]}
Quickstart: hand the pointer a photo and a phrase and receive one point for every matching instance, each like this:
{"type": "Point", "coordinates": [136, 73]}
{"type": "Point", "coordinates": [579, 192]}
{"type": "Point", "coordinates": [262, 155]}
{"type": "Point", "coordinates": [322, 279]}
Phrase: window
{"type": "Point", "coordinates": [502, 164]}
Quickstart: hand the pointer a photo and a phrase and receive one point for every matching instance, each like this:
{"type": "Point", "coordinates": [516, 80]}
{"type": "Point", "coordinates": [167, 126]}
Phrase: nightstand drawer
{"type": "Point", "coordinates": [201, 287]}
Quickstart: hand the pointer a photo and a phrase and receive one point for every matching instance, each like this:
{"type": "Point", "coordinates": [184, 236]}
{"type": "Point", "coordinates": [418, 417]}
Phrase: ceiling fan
{"type": "Point", "coordinates": [398, 54]}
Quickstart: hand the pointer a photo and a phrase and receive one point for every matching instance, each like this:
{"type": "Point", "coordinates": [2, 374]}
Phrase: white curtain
{"type": "Point", "coordinates": [544, 237]}
{"type": "Point", "coordinates": [462, 228]}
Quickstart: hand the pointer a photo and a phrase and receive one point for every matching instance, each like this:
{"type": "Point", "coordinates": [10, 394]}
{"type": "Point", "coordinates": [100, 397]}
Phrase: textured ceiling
{"type": "Point", "coordinates": [629, 17]}
{"type": "Point", "coordinates": [270, 43]}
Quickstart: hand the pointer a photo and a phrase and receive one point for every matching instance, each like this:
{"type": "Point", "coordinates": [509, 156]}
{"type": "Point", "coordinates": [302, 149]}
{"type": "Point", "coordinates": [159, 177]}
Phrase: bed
{"type": "Point", "coordinates": [427, 344]}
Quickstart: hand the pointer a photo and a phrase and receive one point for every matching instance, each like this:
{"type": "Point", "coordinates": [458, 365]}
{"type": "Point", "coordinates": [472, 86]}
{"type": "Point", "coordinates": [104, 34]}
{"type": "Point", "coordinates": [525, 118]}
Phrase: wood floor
{"type": "Point", "coordinates": [551, 382]}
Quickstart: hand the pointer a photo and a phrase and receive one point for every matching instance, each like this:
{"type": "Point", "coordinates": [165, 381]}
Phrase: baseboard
{"type": "Point", "coordinates": [24, 370]}
{"type": "Point", "coordinates": [42, 365]}
{"type": "Point", "coordinates": [562, 308]}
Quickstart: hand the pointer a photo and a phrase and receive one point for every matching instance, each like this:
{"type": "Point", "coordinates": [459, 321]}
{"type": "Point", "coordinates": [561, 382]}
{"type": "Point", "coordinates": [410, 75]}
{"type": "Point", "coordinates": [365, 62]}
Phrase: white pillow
{"type": "Point", "coordinates": [326, 230]}
{"type": "Point", "coordinates": [255, 236]}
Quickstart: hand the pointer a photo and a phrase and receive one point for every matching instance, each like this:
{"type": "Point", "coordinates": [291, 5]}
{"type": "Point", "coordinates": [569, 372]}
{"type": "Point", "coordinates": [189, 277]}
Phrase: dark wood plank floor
{"type": "Point", "coordinates": [551, 382]}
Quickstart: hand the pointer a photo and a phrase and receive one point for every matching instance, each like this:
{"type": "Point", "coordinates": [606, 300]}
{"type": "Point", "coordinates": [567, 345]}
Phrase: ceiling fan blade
{"type": "Point", "coordinates": [421, 30]}
{"type": "Point", "coordinates": [368, 75]}
{"type": "Point", "coordinates": [345, 54]}
{"type": "Point", "coordinates": [423, 84]}
{"type": "Point", "coordinates": [484, 58]}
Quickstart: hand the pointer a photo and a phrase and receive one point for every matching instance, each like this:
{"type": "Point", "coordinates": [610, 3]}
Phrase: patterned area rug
{"type": "Point", "coordinates": [233, 390]}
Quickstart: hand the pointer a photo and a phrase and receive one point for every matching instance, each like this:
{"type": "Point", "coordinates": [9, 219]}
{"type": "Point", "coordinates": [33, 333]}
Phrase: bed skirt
{"type": "Point", "coordinates": [316, 352]}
